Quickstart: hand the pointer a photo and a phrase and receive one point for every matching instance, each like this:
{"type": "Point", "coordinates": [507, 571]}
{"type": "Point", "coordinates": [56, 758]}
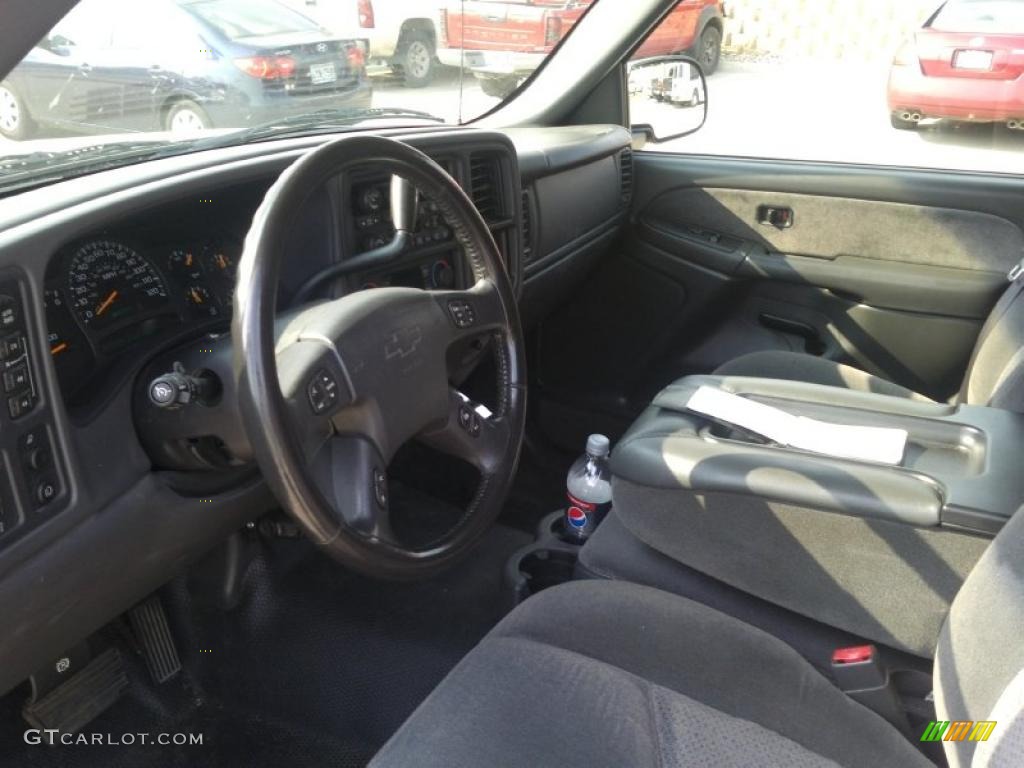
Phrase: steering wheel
{"type": "Point", "coordinates": [329, 393]}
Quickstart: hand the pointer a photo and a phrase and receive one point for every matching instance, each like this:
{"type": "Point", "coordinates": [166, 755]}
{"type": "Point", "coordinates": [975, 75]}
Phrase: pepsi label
{"type": "Point", "coordinates": [582, 517]}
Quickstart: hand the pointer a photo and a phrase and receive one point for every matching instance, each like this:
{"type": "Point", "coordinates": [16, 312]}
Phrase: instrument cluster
{"type": "Point", "coordinates": [109, 294]}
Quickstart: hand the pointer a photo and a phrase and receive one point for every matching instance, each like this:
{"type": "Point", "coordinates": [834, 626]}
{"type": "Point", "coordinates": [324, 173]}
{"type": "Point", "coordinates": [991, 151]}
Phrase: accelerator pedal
{"type": "Point", "coordinates": [78, 700]}
{"type": "Point", "coordinates": [149, 624]}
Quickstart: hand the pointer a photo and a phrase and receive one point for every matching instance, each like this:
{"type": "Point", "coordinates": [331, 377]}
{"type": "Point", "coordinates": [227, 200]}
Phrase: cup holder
{"type": "Point", "coordinates": [549, 561]}
{"type": "Point", "coordinates": [553, 527]}
{"type": "Point", "coordinates": [545, 568]}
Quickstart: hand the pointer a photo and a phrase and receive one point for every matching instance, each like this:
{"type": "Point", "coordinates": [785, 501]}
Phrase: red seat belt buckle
{"type": "Point", "coordinates": [856, 654]}
{"type": "Point", "coordinates": [858, 668]}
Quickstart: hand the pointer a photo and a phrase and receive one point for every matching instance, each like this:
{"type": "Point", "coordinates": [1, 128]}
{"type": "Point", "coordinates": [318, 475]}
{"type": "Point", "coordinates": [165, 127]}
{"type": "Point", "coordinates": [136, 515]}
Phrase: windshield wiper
{"type": "Point", "coordinates": [33, 169]}
{"type": "Point", "coordinates": [310, 124]}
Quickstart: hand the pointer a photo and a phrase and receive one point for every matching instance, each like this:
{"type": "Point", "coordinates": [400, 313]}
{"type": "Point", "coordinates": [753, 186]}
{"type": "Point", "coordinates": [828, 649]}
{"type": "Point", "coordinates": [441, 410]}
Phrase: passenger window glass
{"type": "Point", "coordinates": [916, 83]}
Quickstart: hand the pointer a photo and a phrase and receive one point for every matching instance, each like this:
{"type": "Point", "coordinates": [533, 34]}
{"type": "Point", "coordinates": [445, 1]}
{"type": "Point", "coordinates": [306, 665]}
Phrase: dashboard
{"type": "Point", "coordinates": [163, 275]}
{"type": "Point", "coordinates": [110, 279]}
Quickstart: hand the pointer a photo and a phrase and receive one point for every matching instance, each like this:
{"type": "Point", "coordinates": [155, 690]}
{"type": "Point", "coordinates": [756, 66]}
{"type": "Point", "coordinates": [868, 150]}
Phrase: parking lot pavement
{"type": "Point", "coordinates": [802, 111]}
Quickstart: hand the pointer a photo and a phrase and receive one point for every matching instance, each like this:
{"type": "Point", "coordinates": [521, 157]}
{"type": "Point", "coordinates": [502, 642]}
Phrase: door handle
{"type": "Point", "coordinates": [780, 217]}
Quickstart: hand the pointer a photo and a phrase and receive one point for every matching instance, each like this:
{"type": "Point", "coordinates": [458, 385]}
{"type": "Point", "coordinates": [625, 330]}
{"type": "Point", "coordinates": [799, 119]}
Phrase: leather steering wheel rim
{"type": "Point", "coordinates": [400, 332]}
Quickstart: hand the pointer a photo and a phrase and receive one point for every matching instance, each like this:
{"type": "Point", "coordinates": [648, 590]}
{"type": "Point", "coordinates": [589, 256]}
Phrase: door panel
{"type": "Point", "coordinates": [833, 226]}
{"type": "Point", "coordinates": [891, 270]}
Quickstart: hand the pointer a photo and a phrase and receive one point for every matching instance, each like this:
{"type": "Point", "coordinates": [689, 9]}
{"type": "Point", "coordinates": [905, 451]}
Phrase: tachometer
{"type": "Point", "coordinates": [108, 283]}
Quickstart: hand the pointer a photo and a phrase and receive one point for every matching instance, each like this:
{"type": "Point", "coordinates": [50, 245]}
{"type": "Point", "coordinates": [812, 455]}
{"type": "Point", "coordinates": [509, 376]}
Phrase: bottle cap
{"type": "Point", "coordinates": [598, 446]}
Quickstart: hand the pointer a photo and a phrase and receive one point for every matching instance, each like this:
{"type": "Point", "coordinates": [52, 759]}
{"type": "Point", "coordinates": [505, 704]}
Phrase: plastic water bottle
{"type": "Point", "coordinates": [589, 490]}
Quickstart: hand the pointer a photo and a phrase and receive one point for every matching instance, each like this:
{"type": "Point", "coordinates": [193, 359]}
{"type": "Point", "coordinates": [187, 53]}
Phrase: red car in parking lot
{"type": "Point", "coordinates": [502, 43]}
{"type": "Point", "coordinates": [964, 64]}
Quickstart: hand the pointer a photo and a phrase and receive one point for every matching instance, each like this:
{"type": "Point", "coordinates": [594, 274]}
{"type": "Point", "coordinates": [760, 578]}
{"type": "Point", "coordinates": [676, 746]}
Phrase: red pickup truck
{"type": "Point", "coordinates": [503, 42]}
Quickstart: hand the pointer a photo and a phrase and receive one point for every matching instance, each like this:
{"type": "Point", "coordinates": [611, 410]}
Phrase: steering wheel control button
{"type": "Point", "coordinates": [380, 488]}
{"type": "Point", "coordinates": [462, 313]}
{"type": "Point", "coordinates": [469, 420]}
{"type": "Point", "coordinates": [323, 391]}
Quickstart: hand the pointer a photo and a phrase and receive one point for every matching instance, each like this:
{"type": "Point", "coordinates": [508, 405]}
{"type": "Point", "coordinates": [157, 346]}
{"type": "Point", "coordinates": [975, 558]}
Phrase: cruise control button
{"type": "Point", "coordinates": [462, 313]}
{"type": "Point", "coordinates": [322, 391]}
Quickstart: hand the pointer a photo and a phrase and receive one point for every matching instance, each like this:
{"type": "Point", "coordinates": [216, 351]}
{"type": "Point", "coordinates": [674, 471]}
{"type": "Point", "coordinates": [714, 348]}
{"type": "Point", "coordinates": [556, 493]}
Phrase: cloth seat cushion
{"type": "Point", "coordinates": [794, 366]}
{"type": "Point", "coordinates": [597, 673]}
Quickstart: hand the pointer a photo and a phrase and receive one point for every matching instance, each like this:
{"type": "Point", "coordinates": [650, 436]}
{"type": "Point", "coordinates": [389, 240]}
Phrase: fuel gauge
{"type": "Point", "coordinates": [201, 302]}
{"type": "Point", "coordinates": [72, 354]}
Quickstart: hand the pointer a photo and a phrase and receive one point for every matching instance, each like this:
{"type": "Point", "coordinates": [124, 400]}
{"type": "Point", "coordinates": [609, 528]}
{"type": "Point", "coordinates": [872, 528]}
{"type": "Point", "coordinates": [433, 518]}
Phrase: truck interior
{"type": "Point", "coordinates": [296, 482]}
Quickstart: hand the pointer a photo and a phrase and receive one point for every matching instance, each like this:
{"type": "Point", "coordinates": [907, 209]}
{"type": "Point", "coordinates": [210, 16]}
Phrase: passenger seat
{"type": "Point", "coordinates": [995, 375]}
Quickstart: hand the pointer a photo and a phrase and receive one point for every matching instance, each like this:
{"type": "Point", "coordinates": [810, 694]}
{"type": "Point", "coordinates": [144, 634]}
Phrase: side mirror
{"type": "Point", "coordinates": [668, 97]}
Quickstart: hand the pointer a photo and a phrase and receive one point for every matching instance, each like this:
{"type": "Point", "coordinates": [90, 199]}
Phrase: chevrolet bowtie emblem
{"type": "Point", "coordinates": [402, 342]}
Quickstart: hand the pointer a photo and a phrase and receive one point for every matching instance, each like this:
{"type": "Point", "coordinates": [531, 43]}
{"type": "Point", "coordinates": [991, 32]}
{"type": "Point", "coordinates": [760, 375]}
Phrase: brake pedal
{"type": "Point", "coordinates": [76, 702]}
{"type": "Point", "coordinates": [149, 624]}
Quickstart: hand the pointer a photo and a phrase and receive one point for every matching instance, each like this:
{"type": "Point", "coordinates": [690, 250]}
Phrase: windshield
{"type": "Point", "coordinates": [123, 80]}
{"type": "Point", "coordinates": [239, 19]}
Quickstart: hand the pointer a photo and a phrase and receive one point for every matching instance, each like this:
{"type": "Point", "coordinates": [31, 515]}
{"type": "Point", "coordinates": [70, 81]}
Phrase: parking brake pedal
{"type": "Point", "coordinates": [74, 703]}
{"type": "Point", "coordinates": [149, 624]}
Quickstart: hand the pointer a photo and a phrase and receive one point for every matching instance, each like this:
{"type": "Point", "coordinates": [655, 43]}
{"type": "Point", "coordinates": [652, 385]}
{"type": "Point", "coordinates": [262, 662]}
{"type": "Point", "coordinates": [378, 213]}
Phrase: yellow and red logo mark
{"type": "Point", "coordinates": [958, 730]}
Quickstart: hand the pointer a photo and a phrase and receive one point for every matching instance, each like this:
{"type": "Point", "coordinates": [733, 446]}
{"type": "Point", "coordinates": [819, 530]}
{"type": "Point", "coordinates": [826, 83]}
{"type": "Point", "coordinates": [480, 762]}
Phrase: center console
{"type": "Point", "coordinates": [961, 469]}
{"type": "Point", "coordinates": [879, 550]}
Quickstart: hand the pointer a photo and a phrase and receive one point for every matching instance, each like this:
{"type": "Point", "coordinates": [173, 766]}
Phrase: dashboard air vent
{"type": "Point", "coordinates": [626, 169]}
{"type": "Point", "coordinates": [527, 228]}
{"type": "Point", "coordinates": [485, 186]}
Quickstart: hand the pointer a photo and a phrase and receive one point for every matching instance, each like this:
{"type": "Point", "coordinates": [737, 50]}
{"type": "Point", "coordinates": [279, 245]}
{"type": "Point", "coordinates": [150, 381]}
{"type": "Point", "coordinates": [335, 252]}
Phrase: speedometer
{"type": "Point", "coordinates": [110, 283]}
